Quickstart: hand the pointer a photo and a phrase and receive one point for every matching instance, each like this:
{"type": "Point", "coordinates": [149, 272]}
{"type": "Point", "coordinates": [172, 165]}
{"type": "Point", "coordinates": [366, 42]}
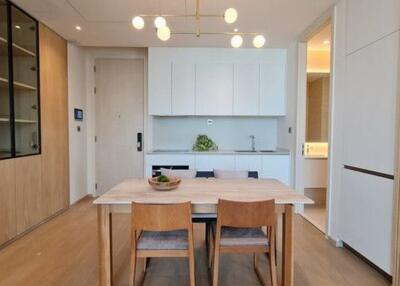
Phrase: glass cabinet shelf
{"type": "Point", "coordinates": [19, 82]}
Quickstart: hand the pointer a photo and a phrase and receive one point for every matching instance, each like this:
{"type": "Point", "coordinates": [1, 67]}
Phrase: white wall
{"type": "Point", "coordinates": [77, 140]}
{"type": "Point", "coordinates": [81, 95]}
{"type": "Point", "coordinates": [229, 133]}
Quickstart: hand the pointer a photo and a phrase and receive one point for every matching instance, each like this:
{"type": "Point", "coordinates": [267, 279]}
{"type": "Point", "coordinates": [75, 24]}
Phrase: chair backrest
{"type": "Point", "coordinates": [210, 174]}
{"type": "Point", "coordinates": [182, 174]}
{"type": "Point", "coordinates": [246, 214]}
{"type": "Point", "coordinates": [231, 174]}
{"type": "Point", "coordinates": [161, 217]}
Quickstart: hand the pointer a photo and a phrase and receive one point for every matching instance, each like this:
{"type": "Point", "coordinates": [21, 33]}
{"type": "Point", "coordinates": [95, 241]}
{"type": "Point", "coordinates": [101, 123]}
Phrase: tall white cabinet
{"type": "Point", "coordinates": [221, 82]}
{"type": "Point", "coordinates": [369, 130]}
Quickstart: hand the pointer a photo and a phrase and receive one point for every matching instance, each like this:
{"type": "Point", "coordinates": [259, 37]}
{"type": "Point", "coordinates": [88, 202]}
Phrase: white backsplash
{"type": "Point", "coordinates": [229, 133]}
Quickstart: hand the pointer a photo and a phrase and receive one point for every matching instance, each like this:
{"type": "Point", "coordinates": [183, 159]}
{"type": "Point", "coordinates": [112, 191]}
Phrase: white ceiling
{"type": "Point", "coordinates": [107, 22]}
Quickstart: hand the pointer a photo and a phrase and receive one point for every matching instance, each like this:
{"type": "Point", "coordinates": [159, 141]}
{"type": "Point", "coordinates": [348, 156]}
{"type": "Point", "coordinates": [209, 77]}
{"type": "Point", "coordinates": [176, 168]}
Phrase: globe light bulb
{"type": "Point", "coordinates": [160, 22]}
{"type": "Point", "coordinates": [164, 33]}
{"type": "Point", "coordinates": [236, 41]}
{"type": "Point", "coordinates": [259, 41]}
{"type": "Point", "coordinates": [230, 15]}
{"type": "Point", "coordinates": [138, 22]}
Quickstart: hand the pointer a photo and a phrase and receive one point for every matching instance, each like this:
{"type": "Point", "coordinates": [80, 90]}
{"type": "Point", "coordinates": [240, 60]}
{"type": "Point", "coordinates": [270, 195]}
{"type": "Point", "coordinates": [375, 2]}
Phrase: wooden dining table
{"type": "Point", "coordinates": [203, 195]}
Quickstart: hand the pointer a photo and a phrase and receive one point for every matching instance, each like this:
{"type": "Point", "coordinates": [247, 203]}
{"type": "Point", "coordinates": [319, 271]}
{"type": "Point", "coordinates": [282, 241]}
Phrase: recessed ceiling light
{"type": "Point", "coordinates": [326, 42]}
{"type": "Point", "coordinates": [17, 27]}
{"type": "Point", "coordinates": [78, 28]}
{"type": "Point", "coordinates": [236, 30]}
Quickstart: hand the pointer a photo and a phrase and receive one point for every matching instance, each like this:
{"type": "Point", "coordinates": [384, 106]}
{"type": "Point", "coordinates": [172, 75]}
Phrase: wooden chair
{"type": "Point", "coordinates": [239, 230]}
{"type": "Point", "coordinates": [162, 231]}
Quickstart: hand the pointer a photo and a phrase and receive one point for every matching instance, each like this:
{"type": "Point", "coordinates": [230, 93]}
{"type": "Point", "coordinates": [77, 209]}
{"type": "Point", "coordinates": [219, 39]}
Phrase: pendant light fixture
{"type": "Point", "coordinates": [230, 16]}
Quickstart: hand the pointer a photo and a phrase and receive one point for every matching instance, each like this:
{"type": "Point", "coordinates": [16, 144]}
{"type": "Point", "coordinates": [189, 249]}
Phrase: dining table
{"type": "Point", "coordinates": [203, 193]}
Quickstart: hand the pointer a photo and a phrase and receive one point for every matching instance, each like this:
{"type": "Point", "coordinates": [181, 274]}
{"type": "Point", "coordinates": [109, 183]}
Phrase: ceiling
{"type": "Point", "coordinates": [107, 22]}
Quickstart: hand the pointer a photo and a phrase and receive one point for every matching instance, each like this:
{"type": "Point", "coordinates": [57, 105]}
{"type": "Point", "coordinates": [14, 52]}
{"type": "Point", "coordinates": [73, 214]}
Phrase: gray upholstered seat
{"type": "Point", "coordinates": [232, 236]}
{"type": "Point", "coordinates": [163, 240]}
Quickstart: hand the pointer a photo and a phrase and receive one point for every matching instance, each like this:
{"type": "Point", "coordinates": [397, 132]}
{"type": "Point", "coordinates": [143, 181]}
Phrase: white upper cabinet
{"type": "Point", "coordinates": [214, 89]}
{"type": "Point", "coordinates": [247, 91]}
{"type": "Point", "coordinates": [183, 88]}
{"type": "Point", "coordinates": [370, 109]}
{"type": "Point", "coordinates": [225, 82]}
{"type": "Point", "coordinates": [159, 85]}
{"type": "Point", "coordinates": [273, 88]}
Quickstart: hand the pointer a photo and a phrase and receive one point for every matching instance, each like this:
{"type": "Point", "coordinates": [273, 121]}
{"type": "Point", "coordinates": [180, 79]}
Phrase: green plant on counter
{"type": "Point", "coordinates": [163, 179]}
{"type": "Point", "coordinates": [203, 144]}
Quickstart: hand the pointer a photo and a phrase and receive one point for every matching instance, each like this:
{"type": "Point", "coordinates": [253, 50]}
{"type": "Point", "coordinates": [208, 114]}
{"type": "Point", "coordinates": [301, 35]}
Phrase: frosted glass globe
{"type": "Point", "coordinates": [164, 33]}
{"type": "Point", "coordinates": [230, 15]}
{"type": "Point", "coordinates": [138, 22]}
{"type": "Point", "coordinates": [160, 22]}
{"type": "Point", "coordinates": [259, 41]}
{"type": "Point", "coordinates": [237, 41]}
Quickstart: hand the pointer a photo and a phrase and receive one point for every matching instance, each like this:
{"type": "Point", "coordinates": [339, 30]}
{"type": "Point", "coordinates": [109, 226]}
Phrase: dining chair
{"type": "Point", "coordinates": [239, 230]}
{"type": "Point", "coordinates": [182, 174]}
{"type": "Point", "coordinates": [161, 230]}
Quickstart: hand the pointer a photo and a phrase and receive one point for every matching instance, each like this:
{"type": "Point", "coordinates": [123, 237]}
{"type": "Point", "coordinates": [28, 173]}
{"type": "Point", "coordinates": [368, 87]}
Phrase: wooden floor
{"type": "Point", "coordinates": [64, 252]}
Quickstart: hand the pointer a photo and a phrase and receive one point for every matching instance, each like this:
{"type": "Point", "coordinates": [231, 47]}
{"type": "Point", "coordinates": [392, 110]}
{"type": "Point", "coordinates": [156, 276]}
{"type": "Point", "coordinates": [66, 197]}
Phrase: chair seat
{"type": "Point", "coordinates": [232, 236]}
{"type": "Point", "coordinates": [163, 240]}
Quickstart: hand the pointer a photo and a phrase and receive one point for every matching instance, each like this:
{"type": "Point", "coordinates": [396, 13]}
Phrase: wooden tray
{"type": "Point", "coordinates": [164, 186]}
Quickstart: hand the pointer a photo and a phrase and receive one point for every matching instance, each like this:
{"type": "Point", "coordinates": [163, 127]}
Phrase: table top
{"type": "Point", "coordinates": [203, 191]}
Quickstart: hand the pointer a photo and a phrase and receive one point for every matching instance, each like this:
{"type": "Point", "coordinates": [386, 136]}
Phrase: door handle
{"type": "Point", "coordinates": [139, 142]}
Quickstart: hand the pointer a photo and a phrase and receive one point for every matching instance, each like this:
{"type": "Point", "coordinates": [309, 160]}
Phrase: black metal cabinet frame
{"type": "Point", "coordinates": [11, 82]}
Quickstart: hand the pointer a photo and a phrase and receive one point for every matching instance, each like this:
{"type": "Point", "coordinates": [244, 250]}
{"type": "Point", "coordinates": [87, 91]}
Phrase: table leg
{"type": "Point", "coordinates": [105, 245]}
{"type": "Point", "coordinates": [288, 246]}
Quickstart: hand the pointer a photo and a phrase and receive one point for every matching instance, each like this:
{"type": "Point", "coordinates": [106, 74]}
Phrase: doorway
{"type": "Point", "coordinates": [314, 125]}
{"type": "Point", "coordinates": [119, 108]}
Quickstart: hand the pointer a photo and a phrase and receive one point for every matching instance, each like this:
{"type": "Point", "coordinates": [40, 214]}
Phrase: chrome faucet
{"type": "Point", "coordinates": [253, 143]}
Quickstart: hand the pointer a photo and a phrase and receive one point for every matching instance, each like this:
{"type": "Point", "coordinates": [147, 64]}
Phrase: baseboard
{"type": "Point", "coordinates": [369, 262]}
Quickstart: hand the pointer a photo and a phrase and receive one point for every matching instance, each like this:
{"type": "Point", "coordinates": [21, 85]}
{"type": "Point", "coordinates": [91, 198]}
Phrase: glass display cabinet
{"type": "Point", "coordinates": [19, 83]}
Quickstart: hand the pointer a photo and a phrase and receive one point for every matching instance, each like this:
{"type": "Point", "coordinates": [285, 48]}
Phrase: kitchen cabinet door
{"type": "Point", "coordinates": [366, 215]}
{"type": "Point", "coordinates": [246, 92]}
{"type": "Point", "coordinates": [209, 162]}
{"type": "Point", "coordinates": [273, 88]}
{"type": "Point", "coordinates": [250, 163]}
{"type": "Point", "coordinates": [159, 84]}
{"type": "Point", "coordinates": [214, 89]}
{"type": "Point", "coordinates": [370, 108]}
{"type": "Point", "coordinates": [183, 88]}
{"type": "Point", "coordinates": [276, 167]}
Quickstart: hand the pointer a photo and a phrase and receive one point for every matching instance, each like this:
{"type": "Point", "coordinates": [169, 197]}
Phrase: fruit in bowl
{"type": "Point", "coordinates": [164, 183]}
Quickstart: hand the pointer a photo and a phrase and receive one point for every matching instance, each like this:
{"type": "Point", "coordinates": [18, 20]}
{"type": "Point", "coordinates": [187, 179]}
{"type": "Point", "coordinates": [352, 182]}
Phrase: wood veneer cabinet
{"type": "Point", "coordinates": [35, 188]}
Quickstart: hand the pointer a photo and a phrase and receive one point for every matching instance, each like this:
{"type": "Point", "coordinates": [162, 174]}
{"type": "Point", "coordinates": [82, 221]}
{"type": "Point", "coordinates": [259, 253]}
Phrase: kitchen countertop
{"type": "Point", "coordinates": [278, 151]}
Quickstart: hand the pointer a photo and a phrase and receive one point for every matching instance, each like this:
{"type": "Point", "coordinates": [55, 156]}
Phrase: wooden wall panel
{"type": "Point", "coordinates": [29, 193]}
{"type": "Point", "coordinates": [7, 200]}
{"type": "Point", "coordinates": [54, 119]}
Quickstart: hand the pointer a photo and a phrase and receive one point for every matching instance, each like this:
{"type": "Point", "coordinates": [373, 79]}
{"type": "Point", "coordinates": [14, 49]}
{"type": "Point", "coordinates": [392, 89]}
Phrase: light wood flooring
{"type": "Point", "coordinates": [316, 215]}
{"type": "Point", "coordinates": [64, 252]}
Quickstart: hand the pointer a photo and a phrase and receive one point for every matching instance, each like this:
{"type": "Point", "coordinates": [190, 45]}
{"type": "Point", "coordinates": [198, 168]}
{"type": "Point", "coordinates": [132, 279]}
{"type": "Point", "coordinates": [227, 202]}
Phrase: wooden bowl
{"type": "Point", "coordinates": [164, 186]}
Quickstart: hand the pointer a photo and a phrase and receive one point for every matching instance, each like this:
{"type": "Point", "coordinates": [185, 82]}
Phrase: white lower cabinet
{"type": "Point", "coordinates": [276, 167]}
{"type": "Point", "coordinates": [366, 213]}
{"type": "Point", "coordinates": [249, 162]}
{"type": "Point", "coordinates": [209, 162]}
{"type": "Point", "coordinates": [267, 166]}
{"type": "Point", "coordinates": [168, 160]}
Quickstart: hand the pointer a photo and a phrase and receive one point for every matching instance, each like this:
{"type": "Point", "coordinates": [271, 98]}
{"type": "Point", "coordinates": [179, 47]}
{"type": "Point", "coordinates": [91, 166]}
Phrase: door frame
{"type": "Point", "coordinates": [301, 108]}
